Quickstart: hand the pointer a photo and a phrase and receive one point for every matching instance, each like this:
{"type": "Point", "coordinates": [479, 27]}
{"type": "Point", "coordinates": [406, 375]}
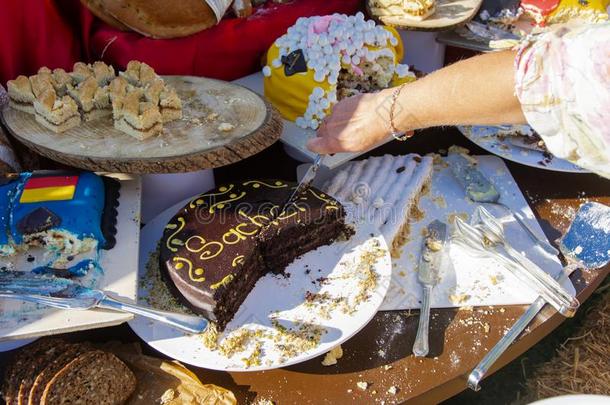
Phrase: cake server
{"type": "Point", "coordinates": [509, 337]}
{"type": "Point", "coordinates": [66, 294]}
{"type": "Point", "coordinates": [305, 182]}
{"type": "Point", "coordinates": [427, 273]}
{"type": "Point", "coordinates": [479, 189]}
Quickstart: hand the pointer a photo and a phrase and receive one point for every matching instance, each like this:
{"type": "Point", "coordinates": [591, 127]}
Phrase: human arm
{"type": "Point", "coordinates": [479, 90]}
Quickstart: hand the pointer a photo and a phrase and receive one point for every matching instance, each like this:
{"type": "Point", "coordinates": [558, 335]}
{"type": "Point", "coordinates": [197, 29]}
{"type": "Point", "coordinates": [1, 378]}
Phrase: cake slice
{"type": "Point", "coordinates": [41, 82]}
{"type": "Point", "coordinates": [93, 101]}
{"type": "Point", "coordinates": [103, 73]}
{"type": "Point", "coordinates": [80, 72]}
{"type": "Point", "coordinates": [56, 113]}
{"type": "Point", "coordinates": [61, 81]}
{"type": "Point", "coordinates": [170, 104]}
{"type": "Point", "coordinates": [20, 94]}
{"type": "Point", "coordinates": [417, 10]}
{"type": "Point", "coordinates": [384, 190]}
{"type": "Point", "coordinates": [139, 73]}
{"type": "Point", "coordinates": [137, 117]}
{"type": "Point", "coordinates": [95, 377]}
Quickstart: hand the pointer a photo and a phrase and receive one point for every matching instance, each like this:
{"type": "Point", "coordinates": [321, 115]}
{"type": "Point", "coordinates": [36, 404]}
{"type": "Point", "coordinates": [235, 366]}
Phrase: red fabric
{"type": "Point", "coordinates": [57, 33]}
{"type": "Point", "coordinates": [35, 33]}
{"type": "Point", "coordinates": [228, 51]}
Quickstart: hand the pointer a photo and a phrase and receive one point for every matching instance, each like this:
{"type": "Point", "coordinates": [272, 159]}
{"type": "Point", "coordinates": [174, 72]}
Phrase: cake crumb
{"type": "Point", "coordinates": [332, 356]}
{"type": "Point", "coordinates": [363, 385]}
{"type": "Point", "coordinates": [486, 327]}
{"type": "Point", "coordinates": [226, 127]}
{"type": "Point", "coordinates": [458, 299]}
{"type": "Point", "coordinates": [349, 391]}
{"type": "Point", "coordinates": [393, 390]}
{"type": "Point", "coordinates": [168, 396]}
{"type": "Point", "coordinates": [387, 367]}
{"type": "Point", "coordinates": [212, 116]}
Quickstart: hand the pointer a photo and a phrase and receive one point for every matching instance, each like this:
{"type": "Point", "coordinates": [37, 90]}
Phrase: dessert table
{"type": "Point", "coordinates": [380, 354]}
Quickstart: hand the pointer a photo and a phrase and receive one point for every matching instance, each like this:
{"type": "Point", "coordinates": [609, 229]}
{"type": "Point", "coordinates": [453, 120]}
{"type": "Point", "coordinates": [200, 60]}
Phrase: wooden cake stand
{"type": "Point", "coordinates": [192, 143]}
{"type": "Point", "coordinates": [449, 14]}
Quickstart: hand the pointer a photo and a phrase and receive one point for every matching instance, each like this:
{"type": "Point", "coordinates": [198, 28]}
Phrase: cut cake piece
{"type": "Point", "coordinates": [136, 117]}
{"type": "Point", "coordinates": [417, 10]}
{"type": "Point", "coordinates": [139, 73]}
{"type": "Point", "coordinates": [383, 190]}
{"type": "Point", "coordinates": [20, 94]}
{"type": "Point", "coordinates": [93, 101]}
{"type": "Point", "coordinates": [165, 96]}
{"type": "Point", "coordinates": [56, 113]}
{"type": "Point", "coordinates": [103, 73]}
{"type": "Point", "coordinates": [61, 81]}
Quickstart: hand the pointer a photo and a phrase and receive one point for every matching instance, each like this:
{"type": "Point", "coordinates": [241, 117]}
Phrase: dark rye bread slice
{"type": "Point", "coordinates": [35, 367]}
{"type": "Point", "coordinates": [95, 377]}
{"type": "Point", "coordinates": [21, 364]}
{"type": "Point", "coordinates": [70, 353]}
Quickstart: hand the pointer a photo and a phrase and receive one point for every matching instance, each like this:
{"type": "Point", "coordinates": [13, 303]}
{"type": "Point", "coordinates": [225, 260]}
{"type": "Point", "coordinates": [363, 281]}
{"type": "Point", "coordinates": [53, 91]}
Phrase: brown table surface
{"type": "Point", "coordinates": [381, 353]}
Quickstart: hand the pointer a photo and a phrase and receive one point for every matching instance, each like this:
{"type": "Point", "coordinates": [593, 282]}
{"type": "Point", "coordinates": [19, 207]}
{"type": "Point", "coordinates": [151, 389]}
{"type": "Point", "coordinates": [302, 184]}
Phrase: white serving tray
{"type": "Point", "coordinates": [120, 266]}
{"type": "Point", "coordinates": [471, 281]}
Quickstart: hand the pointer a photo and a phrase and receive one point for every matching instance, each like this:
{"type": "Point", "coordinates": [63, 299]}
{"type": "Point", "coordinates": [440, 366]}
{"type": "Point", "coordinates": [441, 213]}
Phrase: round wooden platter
{"type": "Point", "coordinates": [448, 15]}
{"type": "Point", "coordinates": [192, 143]}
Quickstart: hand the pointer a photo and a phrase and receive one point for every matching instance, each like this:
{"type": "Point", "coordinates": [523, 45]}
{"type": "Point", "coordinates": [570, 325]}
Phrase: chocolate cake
{"type": "Point", "coordinates": [215, 248]}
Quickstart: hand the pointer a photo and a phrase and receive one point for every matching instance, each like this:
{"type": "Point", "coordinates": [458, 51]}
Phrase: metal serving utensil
{"type": "Point", "coordinates": [479, 189]}
{"type": "Point", "coordinates": [427, 273]}
{"type": "Point", "coordinates": [304, 184]}
{"type": "Point", "coordinates": [66, 294]}
{"type": "Point", "coordinates": [476, 242]}
{"type": "Point", "coordinates": [479, 372]}
{"type": "Point", "coordinates": [493, 230]}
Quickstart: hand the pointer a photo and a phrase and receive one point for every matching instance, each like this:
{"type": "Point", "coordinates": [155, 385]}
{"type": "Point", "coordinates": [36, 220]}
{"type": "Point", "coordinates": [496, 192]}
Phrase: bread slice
{"type": "Point", "coordinates": [57, 114]}
{"type": "Point", "coordinates": [20, 365]}
{"type": "Point", "coordinates": [95, 377]}
{"type": "Point", "coordinates": [69, 353]}
{"type": "Point", "coordinates": [20, 94]}
{"type": "Point", "coordinates": [35, 367]}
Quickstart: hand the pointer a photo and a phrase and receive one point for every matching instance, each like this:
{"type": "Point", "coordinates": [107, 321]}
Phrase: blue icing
{"type": "Point", "coordinates": [78, 270]}
{"type": "Point", "coordinates": [8, 192]}
{"type": "Point", "coordinates": [588, 239]}
{"type": "Point", "coordinates": [80, 216]}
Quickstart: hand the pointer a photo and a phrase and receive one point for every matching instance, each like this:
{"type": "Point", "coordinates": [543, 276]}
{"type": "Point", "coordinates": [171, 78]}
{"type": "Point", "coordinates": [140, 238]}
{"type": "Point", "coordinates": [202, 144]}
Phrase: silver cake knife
{"type": "Point", "coordinates": [428, 273]}
{"type": "Point", "coordinates": [66, 294]}
{"type": "Point", "coordinates": [305, 182]}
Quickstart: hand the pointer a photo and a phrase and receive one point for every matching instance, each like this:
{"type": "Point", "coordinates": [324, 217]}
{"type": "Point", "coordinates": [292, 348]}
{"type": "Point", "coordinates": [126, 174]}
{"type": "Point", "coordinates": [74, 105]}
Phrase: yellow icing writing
{"type": "Point", "coordinates": [254, 219]}
{"type": "Point", "coordinates": [171, 237]}
{"type": "Point", "coordinates": [238, 260]}
{"type": "Point", "coordinates": [179, 264]}
{"type": "Point", "coordinates": [232, 236]}
{"type": "Point", "coordinates": [198, 200]}
{"type": "Point", "coordinates": [222, 204]}
{"type": "Point", "coordinates": [226, 280]}
{"type": "Point", "coordinates": [331, 205]}
{"type": "Point", "coordinates": [258, 183]}
{"type": "Point", "coordinates": [207, 248]}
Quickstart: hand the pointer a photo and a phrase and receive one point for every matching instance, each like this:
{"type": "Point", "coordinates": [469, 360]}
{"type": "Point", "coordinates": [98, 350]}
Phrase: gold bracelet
{"type": "Point", "coordinates": [396, 133]}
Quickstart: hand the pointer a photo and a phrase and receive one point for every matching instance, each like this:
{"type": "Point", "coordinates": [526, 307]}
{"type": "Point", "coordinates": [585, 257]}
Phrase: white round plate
{"type": "Point", "coordinates": [575, 399]}
{"type": "Point", "coordinates": [7, 345]}
{"type": "Point", "coordinates": [337, 270]}
{"type": "Point", "coordinates": [486, 137]}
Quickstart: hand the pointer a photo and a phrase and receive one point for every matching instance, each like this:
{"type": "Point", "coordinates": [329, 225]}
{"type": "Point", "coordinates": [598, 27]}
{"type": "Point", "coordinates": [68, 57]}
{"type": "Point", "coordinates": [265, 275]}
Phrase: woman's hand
{"type": "Point", "coordinates": [356, 124]}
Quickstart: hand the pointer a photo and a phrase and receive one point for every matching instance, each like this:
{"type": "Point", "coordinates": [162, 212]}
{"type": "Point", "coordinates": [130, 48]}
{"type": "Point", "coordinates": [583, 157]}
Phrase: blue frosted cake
{"type": "Point", "coordinates": [65, 213]}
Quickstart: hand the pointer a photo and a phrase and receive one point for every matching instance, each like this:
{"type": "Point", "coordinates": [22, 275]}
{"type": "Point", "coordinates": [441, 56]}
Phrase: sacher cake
{"type": "Point", "coordinates": [218, 245]}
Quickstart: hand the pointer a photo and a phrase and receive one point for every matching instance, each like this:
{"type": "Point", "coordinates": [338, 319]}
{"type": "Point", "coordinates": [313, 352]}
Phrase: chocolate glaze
{"type": "Point", "coordinates": [215, 248]}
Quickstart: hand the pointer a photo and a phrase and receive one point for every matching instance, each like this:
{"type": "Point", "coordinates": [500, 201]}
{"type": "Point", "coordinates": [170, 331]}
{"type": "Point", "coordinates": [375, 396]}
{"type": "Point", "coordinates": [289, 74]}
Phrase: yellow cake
{"type": "Point", "coordinates": [321, 60]}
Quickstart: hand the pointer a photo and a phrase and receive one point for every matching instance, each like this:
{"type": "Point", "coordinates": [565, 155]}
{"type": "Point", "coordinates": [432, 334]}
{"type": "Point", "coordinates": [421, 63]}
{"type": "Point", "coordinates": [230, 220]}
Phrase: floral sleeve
{"type": "Point", "coordinates": [563, 83]}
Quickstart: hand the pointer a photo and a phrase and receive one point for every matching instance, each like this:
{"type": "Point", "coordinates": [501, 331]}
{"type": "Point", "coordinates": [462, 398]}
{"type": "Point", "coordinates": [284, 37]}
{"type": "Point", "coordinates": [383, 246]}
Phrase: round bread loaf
{"type": "Point", "coordinates": [161, 19]}
{"type": "Point", "coordinates": [95, 377]}
{"type": "Point", "coordinates": [97, 8]}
